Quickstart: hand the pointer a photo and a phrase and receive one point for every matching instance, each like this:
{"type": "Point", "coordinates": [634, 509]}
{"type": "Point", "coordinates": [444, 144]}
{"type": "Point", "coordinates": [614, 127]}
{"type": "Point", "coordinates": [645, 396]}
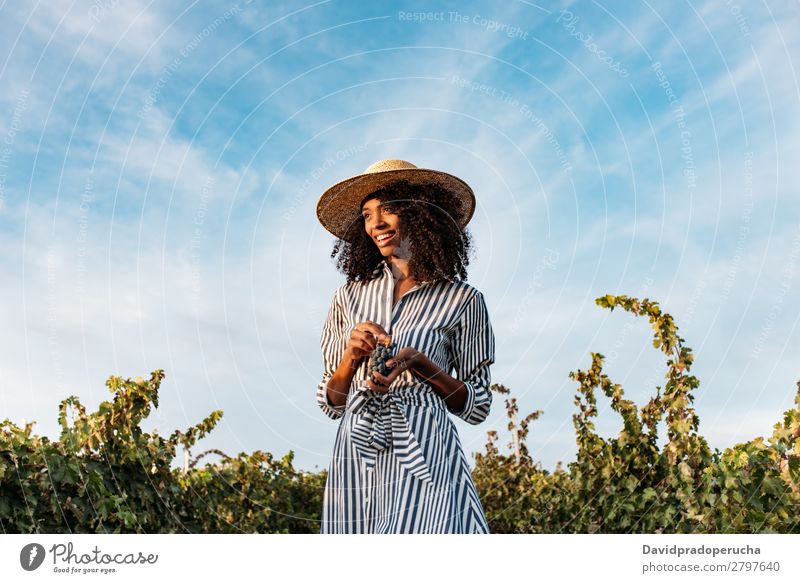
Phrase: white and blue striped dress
{"type": "Point", "coordinates": [398, 465]}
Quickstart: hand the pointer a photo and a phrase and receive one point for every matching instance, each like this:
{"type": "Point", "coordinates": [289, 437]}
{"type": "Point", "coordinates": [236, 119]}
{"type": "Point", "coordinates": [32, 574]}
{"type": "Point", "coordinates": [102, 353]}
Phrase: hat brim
{"type": "Point", "coordinates": [339, 206]}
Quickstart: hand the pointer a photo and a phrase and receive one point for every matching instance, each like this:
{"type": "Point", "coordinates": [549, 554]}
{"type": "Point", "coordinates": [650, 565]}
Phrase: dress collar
{"type": "Point", "coordinates": [387, 273]}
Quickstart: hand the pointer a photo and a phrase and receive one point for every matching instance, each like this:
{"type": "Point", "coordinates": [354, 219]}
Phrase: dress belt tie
{"type": "Point", "coordinates": [379, 421]}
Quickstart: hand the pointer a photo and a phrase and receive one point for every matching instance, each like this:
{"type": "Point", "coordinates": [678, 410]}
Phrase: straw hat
{"type": "Point", "coordinates": [340, 205]}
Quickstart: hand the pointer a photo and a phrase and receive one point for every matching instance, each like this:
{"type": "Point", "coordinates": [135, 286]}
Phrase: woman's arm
{"type": "Point", "coordinates": [342, 356]}
{"type": "Point", "coordinates": [469, 396]}
{"type": "Point", "coordinates": [472, 351]}
{"type": "Point", "coordinates": [450, 389]}
{"type": "Point", "coordinates": [340, 382]}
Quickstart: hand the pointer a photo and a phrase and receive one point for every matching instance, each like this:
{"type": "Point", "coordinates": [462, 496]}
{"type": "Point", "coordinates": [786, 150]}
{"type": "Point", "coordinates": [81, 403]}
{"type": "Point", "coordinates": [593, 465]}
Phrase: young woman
{"type": "Point", "coordinates": [398, 465]}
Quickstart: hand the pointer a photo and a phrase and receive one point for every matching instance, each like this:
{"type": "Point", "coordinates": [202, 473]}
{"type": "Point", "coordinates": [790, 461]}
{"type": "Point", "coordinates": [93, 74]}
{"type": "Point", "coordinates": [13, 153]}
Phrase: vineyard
{"type": "Point", "coordinates": [105, 474]}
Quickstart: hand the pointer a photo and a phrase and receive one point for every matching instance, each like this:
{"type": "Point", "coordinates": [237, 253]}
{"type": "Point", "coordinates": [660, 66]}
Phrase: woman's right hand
{"type": "Point", "coordinates": [363, 340]}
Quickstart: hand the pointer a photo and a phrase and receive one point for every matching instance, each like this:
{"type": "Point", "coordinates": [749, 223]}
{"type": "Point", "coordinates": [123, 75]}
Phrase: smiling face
{"type": "Point", "coordinates": [382, 226]}
{"type": "Point", "coordinates": [409, 222]}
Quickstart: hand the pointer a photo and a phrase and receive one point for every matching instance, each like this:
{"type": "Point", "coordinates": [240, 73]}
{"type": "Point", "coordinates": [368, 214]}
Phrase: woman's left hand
{"type": "Point", "coordinates": [402, 361]}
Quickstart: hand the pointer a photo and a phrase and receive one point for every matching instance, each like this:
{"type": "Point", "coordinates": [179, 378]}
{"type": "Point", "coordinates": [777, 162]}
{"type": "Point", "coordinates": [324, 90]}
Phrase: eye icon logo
{"type": "Point", "coordinates": [31, 556]}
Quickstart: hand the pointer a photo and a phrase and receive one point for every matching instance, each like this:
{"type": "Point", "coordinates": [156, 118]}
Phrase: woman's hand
{"type": "Point", "coordinates": [363, 340]}
{"type": "Point", "coordinates": [402, 361]}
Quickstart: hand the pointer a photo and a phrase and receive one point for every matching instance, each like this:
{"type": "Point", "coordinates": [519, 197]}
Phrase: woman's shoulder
{"type": "Point", "coordinates": [356, 288]}
{"type": "Point", "coordinates": [464, 291]}
{"type": "Point", "coordinates": [358, 284]}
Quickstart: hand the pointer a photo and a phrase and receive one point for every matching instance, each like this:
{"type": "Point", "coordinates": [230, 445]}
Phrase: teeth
{"type": "Point", "coordinates": [385, 236]}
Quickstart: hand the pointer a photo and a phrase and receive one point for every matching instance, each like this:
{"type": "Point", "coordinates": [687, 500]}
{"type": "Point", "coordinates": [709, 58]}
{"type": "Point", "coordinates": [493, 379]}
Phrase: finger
{"type": "Point", "coordinates": [364, 346]}
{"type": "Point", "coordinates": [366, 340]}
{"type": "Point", "coordinates": [364, 334]}
{"type": "Point", "coordinates": [371, 337]}
{"type": "Point", "coordinates": [376, 387]}
{"type": "Point", "coordinates": [389, 378]}
{"type": "Point", "coordinates": [368, 326]}
{"type": "Point", "coordinates": [374, 328]}
{"type": "Point", "coordinates": [397, 363]}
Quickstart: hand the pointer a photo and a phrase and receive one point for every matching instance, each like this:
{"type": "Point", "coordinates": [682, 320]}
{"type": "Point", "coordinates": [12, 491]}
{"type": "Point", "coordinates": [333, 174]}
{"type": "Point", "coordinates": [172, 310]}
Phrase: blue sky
{"type": "Point", "coordinates": [160, 168]}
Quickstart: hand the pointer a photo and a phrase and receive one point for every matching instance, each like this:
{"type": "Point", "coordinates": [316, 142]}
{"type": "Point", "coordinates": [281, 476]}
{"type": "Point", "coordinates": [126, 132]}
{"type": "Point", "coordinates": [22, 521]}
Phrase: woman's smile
{"type": "Point", "coordinates": [382, 224]}
{"type": "Point", "coordinates": [385, 238]}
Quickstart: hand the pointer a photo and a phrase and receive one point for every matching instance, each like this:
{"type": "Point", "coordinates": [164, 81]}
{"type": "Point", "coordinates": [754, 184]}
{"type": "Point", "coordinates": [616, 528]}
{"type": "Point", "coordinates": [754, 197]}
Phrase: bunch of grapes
{"type": "Point", "coordinates": [384, 350]}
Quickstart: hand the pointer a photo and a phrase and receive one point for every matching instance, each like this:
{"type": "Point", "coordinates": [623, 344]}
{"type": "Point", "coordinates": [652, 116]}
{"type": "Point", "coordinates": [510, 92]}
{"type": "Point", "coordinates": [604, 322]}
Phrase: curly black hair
{"type": "Point", "coordinates": [439, 248]}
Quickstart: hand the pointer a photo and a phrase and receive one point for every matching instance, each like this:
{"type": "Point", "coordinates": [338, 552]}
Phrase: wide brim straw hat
{"type": "Point", "coordinates": [340, 205]}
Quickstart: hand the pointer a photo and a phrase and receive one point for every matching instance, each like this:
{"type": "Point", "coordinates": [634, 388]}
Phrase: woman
{"type": "Point", "coordinates": [398, 465]}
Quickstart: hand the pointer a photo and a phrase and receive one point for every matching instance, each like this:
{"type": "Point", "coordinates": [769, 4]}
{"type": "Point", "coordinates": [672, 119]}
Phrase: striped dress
{"type": "Point", "coordinates": [398, 465]}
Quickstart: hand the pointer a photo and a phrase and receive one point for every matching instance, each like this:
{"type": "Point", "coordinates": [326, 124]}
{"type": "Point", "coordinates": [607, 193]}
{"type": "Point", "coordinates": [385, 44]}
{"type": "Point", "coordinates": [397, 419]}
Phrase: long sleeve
{"type": "Point", "coordinates": [332, 343]}
{"type": "Point", "coordinates": [473, 346]}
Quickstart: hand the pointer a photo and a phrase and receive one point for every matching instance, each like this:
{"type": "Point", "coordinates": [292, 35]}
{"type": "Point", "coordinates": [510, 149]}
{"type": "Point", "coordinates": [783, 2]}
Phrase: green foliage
{"type": "Point", "coordinates": [516, 494]}
{"type": "Point", "coordinates": [105, 474]}
{"type": "Point", "coordinates": [252, 493]}
{"type": "Point", "coordinates": [628, 484]}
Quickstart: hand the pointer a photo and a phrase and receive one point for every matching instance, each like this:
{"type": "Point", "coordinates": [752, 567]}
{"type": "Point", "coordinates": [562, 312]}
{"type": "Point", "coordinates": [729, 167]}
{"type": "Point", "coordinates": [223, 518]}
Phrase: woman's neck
{"type": "Point", "coordinates": [399, 268]}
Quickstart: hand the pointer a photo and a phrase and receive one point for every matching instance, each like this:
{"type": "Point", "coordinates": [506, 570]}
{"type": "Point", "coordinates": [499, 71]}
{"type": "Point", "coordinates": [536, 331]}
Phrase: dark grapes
{"type": "Point", "coordinates": [384, 350]}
